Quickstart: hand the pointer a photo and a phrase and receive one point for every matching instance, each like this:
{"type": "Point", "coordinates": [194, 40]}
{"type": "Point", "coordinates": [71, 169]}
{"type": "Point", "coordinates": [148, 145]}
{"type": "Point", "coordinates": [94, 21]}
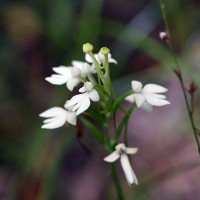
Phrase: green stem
{"type": "Point", "coordinates": [179, 74]}
{"type": "Point", "coordinates": [92, 79]}
{"type": "Point", "coordinates": [117, 183]}
{"type": "Point", "coordinates": [113, 169]}
{"type": "Point", "coordinates": [98, 68]}
{"type": "Point", "coordinates": [107, 82]}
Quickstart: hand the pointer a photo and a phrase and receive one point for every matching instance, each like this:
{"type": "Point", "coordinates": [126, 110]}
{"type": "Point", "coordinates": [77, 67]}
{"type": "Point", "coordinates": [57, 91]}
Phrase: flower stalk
{"type": "Point", "coordinates": [179, 76]}
{"type": "Point", "coordinates": [97, 119]}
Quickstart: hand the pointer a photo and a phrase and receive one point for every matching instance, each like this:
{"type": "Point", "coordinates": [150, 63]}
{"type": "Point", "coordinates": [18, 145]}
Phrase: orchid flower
{"type": "Point", "coordinates": [70, 75]}
{"type": "Point", "coordinates": [121, 152]}
{"type": "Point", "coordinates": [81, 102]}
{"type": "Point", "coordinates": [56, 117]}
{"type": "Point", "coordinates": [147, 96]}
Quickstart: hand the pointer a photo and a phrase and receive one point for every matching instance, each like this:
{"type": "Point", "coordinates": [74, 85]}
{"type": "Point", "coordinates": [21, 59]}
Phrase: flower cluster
{"type": "Point", "coordinates": [94, 75]}
{"type": "Point", "coordinates": [72, 76]}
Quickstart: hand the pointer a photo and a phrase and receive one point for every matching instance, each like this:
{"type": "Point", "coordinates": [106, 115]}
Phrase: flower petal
{"type": "Point", "coordinates": [156, 101]}
{"type": "Point", "coordinates": [74, 100]}
{"type": "Point", "coordinates": [147, 107]}
{"type": "Point", "coordinates": [154, 88]}
{"type": "Point", "coordinates": [77, 63]}
{"type": "Point", "coordinates": [56, 79]}
{"type": "Point", "coordinates": [159, 96]}
{"type": "Point", "coordinates": [87, 58]}
{"type": "Point", "coordinates": [73, 82]}
{"type": "Point", "coordinates": [71, 117]}
{"type": "Point", "coordinates": [128, 171]}
{"type": "Point", "coordinates": [63, 70]}
{"type": "Point", "coordinates": [112, 157]}
{"type": "Point", "coordinates": [58, 122]}
{"type": "Point", "coordinates": [140, 99]}
{"type": "Point", "coordinates": [130, 98]}
{"type": "Point", "coordinates": [130, 150]}
{"type": "Point", "coordinates": [82, 89]}
{"type": "Point", "coordinates": [112, 60]}
{"type": "Point", "coordinates": [53, 112]}
{"type": "Point", "coordinates": [85, 103]}
{"type": "Point", "coordinates": [136, 86]}
{"type": "Point", "coordinates": [93, 95]}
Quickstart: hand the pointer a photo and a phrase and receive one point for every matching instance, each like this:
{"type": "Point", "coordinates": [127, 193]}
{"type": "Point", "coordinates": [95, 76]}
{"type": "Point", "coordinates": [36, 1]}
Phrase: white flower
{"type": "Point", "coordinates": [147, 96]}
{"type": "Point", "coordinates": [121, 152]}
{"type": "Point", "coordinates": [100, 58]}
{"type": "Point", "coordinates": [84, 67]}
{"type": "Point", "coordinates": [56, 117]}
{"type": "Point", "coordinates": [81, 102]}
{"type": "Point", "coordinates": [70, 75]}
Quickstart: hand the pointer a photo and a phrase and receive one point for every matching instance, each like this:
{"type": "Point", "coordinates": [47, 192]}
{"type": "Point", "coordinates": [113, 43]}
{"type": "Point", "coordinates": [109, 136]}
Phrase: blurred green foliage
{"type": "Point", "coordinates": [37, 35]}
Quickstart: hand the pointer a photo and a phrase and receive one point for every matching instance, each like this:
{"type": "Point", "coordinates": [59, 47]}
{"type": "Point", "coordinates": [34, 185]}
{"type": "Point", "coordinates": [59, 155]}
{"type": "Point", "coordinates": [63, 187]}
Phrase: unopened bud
{"type": "Point", "coordinates": [191, 89]}
{"type": "Point", "coordinates": [87, 47]}
{"type": "Point", "coordinates": [105, 50]}
{"type": "Point", "coordinates": [164, 36]}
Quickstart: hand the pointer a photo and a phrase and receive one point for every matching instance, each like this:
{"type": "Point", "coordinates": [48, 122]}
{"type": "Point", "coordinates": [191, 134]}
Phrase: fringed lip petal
{"type": "Point", "coordinates": [128, 171]}
{"type": "Point", "coordinates": [83, 106]}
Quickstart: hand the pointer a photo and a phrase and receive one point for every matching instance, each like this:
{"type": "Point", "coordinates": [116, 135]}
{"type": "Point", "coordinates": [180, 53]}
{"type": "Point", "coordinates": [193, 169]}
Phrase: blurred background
{"type": "Point", "coordinates": [61, 164]}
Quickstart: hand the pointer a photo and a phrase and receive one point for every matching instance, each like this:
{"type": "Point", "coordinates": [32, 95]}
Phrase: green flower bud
{"type": "Point", "coordinates": [87, 47]}
{"type": "Point", "coordinates": [105, 50]}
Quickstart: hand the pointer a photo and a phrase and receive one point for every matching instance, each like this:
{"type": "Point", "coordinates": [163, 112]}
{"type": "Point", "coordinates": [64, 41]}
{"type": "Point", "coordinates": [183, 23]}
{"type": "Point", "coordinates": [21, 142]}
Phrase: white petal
{"type": "Point", "coordinates": [73, 82]}
{"type": "Point", "coordinates": [49, 120]}
{"type": "Point", "coordinates": [130, 150]}
{"type": "Point", "coordinates": [56, 79]}
{"type": "Point", "coordinates": [136, 86]}
{"type": "Point", "coordinates": [75, 99]}
{"type": "Point", "coordinates": [77, 63]}
{"type": "Point", "coordinates": [63, 70]}
{"type": "Point", "coordinates": [93, 69]}
{"type": "Point", "coordinates": [93, 95]}
{"type": "Point", "coordinates": [140, 99]}
{"type": "Point", "coordinates": [130, 98]}
{"type": "Point", "coordinates": [147, 107]}
{"type": "Point", "coordinates": [156, 101]}
{"type": "Point", "coordinates": [159, 96]}
{"type": "Point", "coordinates": [84, 105]}
{"type": "Point", "coordinates": [128, 171]}
{"type": "Point", "coordinates": [112, 157]}
{"type": "Point", "coordinates": [83, 66]}
{"type": "Point", "coordinates": [58, 122]}
{"type": "Point", "coordinates": [82, 89]}
{"type": "Point", "coordinates": [112, 60]}
{"type": "Point", "coordinates": [154, 88]}
{"type": "Point", "coordinates": [53, 112]}
{"type": "Point", "coordinates": [87, 58]}
{"type": "Point", "coordinates": [71, 117]}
